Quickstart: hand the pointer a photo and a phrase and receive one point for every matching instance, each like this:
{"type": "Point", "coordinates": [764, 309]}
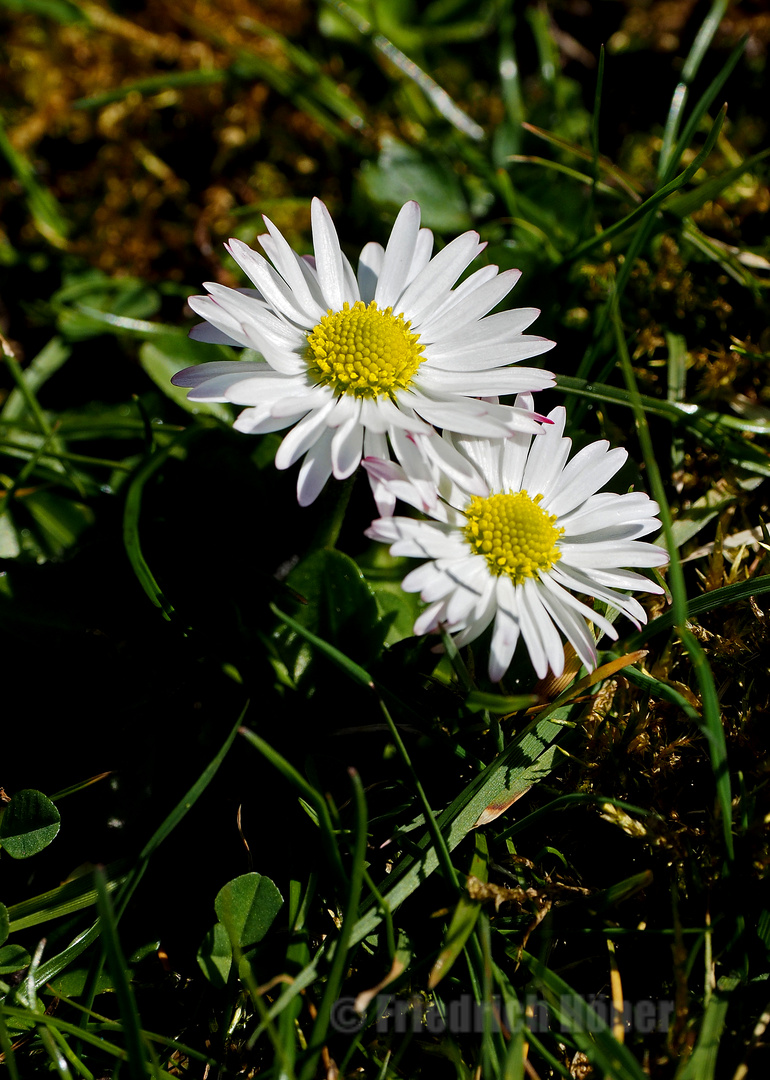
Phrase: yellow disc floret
{"type": "Point", "coordinates": [363, 351]}
{"type": "Point", "coordinates": [513, 533]}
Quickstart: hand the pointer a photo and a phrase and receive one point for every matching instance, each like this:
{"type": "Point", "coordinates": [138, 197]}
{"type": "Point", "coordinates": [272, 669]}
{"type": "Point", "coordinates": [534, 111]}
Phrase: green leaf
{"type": "Point", "coordinates": [478, 701]}
{"type": "Point", "coordinates": [60, 521]}
{"type": "Point", "coordinates": [247, 906]}
{"type": "Point", "coordinates": [5, 923]}
{"type": "Point", "coordinates": [340, 608]}
{"type": "Point", "coordinates": [164, 357]}
{"type": "Point", "coordinates": [403, 173]}
{"type": "Point", "coordinates": [85, 301]}
{"type": "Point", "coordinates": [29, 824]}
{"type": "Point", "coordinates": [13, 958]}
{"type": "Point", "coordinates": [215, 956]}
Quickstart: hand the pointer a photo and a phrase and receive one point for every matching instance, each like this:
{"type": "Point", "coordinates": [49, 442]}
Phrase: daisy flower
{"type": "Point", "coordinates": [356, 361]}
{"type": "Point", "coordinates": [517, 555]}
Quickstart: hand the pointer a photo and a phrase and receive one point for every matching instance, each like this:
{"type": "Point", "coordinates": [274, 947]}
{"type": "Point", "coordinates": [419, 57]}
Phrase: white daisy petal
{"type": "Point", "coordinates": [201, 373]}
{"type": "Point", "coordinates": [591, 467]}
{"type": "Point", "coordinates": [243, 388]}
{"type": "Point", "coordinates": [259, 421]}
{"type": "Point", "coordinates": [482, 357]}
{"type": "Point", "coordinates": [503, 381]}
{"type": "Point", "coordinates": [438, 276]}
{"type": "Point", "coordinates": [277, 293]}
{"type": "Point", "coordinates": [423, 250]}
{"type": "Point", "coordinates": [347, 447]}
{"type": "Point", "coordinates": [290, 268]}
{"type": "Point", "coordinates": [398, 344]}
{"type": "Point", "coordinates": [328, 258]}
{"type": "Point", "coordinates": [315, 469]}
{"type": "Point", "coordinates": [369, 270]}
{"type": "Point", "coordinates": [506, 631]}
{"type": "Point", "coordinates": [477, 303]}
{"type": "Point", "coordinates": [574, 629]}
{"type": "Point", "coordinates": [533, 608]}
{"type": "Point", "coordinates": [302, 437]}
{"type": "Point", "coordinates": [398, 255]}
{"type": "Point", "coordinates": [209, 334]}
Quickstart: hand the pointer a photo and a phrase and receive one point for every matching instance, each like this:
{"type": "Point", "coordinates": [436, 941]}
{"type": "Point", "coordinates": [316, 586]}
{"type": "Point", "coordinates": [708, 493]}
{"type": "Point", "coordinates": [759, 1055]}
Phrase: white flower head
{"type": "Point", "coordinates": [354, 362]}
{"type": "Point", "coordinates": [517, 555]}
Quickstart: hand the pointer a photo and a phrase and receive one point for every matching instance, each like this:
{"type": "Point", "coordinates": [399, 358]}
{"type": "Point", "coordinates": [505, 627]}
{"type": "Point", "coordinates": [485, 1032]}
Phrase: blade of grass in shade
{"type": "Point", "coordinates": [711, 723]}
{"type": "Point", "coordinates": [563, 802]}
{"type": "Point", "coordinates": [702, 41]}
{"type": "Point", "coordinates": [109, 1024]}
{"type": "Point", "coordinates": [539, 19]}
{"type": "Point", "coordinates": [343, 942]}
{"type": "Point", "coordinates": [350, 667]}
{"type": "Point", "coordinates": [9, 1058]}
{"type": "Point", "coordinates": [584, 1024]}
{"type": "Point", "coordinates": [310, 794]}
{"type": "Point", "coordinates": [701, 1064]}
{"type": "Point", "coordinates": [132, 510]}
{"type": "Point", "coordinates": [297, 957]}
{"type": "Point", "coordinates": [324, 88]}
{"type": "Point", "coordinates": [699, 605]}
{"type": "Point", "coordinates": [565, 170]}
{"type": "Point", "coordinates": [439, 99]}
{"type": "Point", "coordinates": [635, 248]}
{"type": "Point", "coordinates": [53, 967]}
{"type": "Point", "coordinates": [21, 399]}
{"type": "Point", "coordinates": [508, 68]}
{"type": "Point", "coordinates": [700, 111]}
{"type": "Point", "coordinates": [49, 459]}
{"type": "Point", "coordinates": [49, 218]}
{"type": "Point", "coordinates": [684, 205]}
{"type": "Point", "coordinates": [629, 184]}
{"type": "Point", "coordinates": [439, 844]}
{"type": "Point", "coordinates": [526, 761]}
{"type": "Point", "coordinates": [171, 80]}
{"type": "Point", "coordinates": [492, 1043]}
{"type": "Point", "coordinates": [26, 389]}
{"type": "Point", "coordinates": [64, 900]}
{"type": "Point", "coordinates": [133, 878]}
{"type": "Point", "coordinates": [655, 199]}
{"type": "Point", "coordinates": [721, 254]}
{"type": "Point", "coordinates": [97, 1041]}
{"type": "Point", "coordinates": [675, 391]}
{"type": "Point", "coordinates": [711, 426]}
{"type": "Point", "coordinates": [463, 918]}
{"type": "Point", "coordinates": [57, 1059]}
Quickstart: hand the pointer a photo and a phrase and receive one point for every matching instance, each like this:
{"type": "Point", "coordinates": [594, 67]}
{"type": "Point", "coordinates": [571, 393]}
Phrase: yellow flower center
{"type": "Point", "coordinates": [513, 533]}
{"type": "Point", "coordinates": [363, 351]}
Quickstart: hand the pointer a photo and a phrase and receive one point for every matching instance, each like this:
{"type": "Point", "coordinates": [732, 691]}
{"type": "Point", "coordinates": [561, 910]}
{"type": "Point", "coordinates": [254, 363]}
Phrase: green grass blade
{"type": "Point", "coordinates": [343, 942]}
{"type": "Point", "coordinates": [658, 197]}
{"type": "Point", "coordinates": [712, 717]}
{"type": "Point", "coordinates": [131, 514]}
{"type": "Point", "coordinates": [701, 109]}
{"type": "Point", "coordinates": [591, 1034]}
{"type": "Point", "coordinates": [308, 792]}
{"type": "Point", "coordinates": [701, 1064]}
{"type": "Point", "coordinates": [350, 667]}
{"type": "Point", "coordinates": [702, 41]}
